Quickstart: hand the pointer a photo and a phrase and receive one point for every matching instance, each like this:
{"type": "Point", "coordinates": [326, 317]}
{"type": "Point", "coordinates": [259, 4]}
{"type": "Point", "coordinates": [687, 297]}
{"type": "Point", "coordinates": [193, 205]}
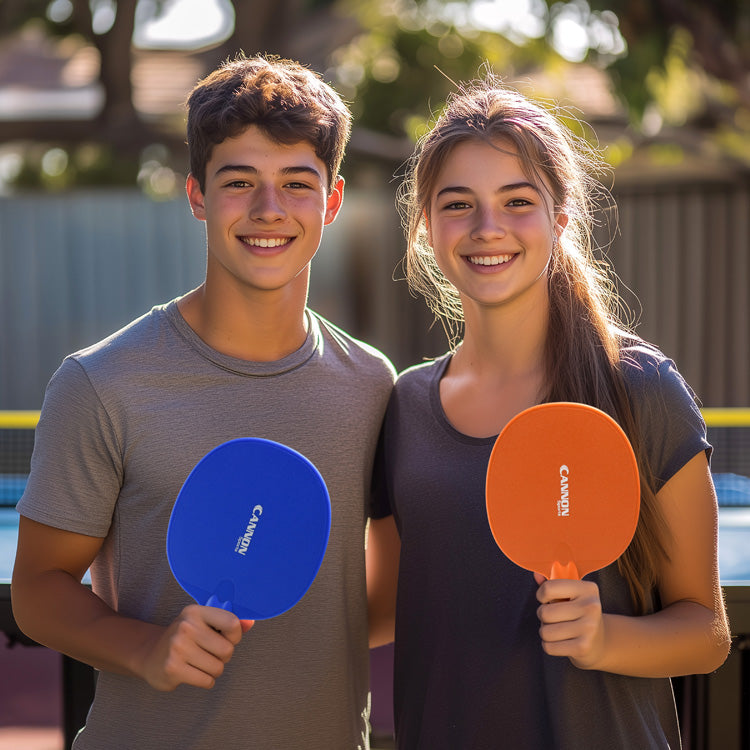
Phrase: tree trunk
{"type": "Point", "coordinates": [119, 116]}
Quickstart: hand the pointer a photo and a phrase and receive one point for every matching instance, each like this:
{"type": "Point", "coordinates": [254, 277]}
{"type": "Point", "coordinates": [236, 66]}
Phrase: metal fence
{"type": "Point", "coordinates": [77, 266]}
{"type": "Point", "coordinates": [684, 250]}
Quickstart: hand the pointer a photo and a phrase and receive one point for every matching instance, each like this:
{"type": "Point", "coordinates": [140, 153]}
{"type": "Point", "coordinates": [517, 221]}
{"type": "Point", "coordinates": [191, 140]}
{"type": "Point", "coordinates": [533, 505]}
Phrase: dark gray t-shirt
{"type": "Point", "coordinates": [470, 672]}
{"type": "Point", "coordinates": [122, 425]}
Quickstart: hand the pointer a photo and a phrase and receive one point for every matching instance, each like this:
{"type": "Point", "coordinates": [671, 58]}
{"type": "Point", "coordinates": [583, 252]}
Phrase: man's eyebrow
{"type": "Point", "coordinates": [287, 171]}
{"type": "Point", "coordinates": [461, 190]}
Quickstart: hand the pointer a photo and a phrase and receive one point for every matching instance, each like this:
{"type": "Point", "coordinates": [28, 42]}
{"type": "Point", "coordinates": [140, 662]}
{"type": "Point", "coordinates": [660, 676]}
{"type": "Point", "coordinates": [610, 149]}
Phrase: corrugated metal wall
{"type": "Point", "coordinates": [682, 253]}
{"type": "Point", "coordinates": [77, 266]}
{"type": "Point", "coordinates": [685, 253]}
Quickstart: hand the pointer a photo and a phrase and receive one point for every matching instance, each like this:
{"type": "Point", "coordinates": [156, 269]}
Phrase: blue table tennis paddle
{"type": "Point", "coordinates": [249, 528]}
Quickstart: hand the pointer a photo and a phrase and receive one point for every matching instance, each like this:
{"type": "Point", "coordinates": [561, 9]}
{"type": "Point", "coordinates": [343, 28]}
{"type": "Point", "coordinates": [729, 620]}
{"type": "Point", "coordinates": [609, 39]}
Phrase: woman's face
{"type": "Point", "coordinates": [491, 228]}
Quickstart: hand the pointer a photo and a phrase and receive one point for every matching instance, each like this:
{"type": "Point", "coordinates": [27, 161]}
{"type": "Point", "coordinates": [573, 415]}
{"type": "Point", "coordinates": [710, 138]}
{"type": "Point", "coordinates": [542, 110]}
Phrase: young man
{"type": "Point", "coordinates": [124, 421]}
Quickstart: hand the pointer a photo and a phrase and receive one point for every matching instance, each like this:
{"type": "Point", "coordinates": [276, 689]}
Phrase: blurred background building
{"type": "Point", "coordinates": [95, 228]}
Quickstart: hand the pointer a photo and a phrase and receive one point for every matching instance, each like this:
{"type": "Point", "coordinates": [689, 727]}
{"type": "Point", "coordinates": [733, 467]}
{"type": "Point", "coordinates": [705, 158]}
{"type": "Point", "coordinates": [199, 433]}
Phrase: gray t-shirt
{"type": "Point", "coordinates": [122, 425]}
{"type": "Point", "coordinates": [470, 672]}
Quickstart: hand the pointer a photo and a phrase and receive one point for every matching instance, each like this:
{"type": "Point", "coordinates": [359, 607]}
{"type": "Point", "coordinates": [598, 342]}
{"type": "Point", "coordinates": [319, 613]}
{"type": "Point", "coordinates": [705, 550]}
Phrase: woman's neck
{"type": "Point", "coordinates": [497, 371]}
{"type": "Point", "coordinates": [504, 342]}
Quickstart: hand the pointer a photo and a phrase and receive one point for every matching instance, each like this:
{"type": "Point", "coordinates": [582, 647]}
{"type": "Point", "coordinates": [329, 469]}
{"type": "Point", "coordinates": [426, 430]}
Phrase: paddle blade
{"type": "Point", "coordinates": [249, 528]}
{"type": "Point", "coordinates": [562, 491]}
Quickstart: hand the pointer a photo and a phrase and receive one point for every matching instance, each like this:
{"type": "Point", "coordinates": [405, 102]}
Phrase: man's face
{"type": "Point", "coordinates": [265, 205]}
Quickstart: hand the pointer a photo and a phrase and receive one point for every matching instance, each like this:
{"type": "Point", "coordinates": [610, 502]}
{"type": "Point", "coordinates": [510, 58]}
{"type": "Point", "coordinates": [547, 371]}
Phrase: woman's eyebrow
{"type": "Point", "coordinates": [453, 189]}
{"type": "Point", "coordinates": [518, 186]}
{"type": "Point", "coordinates": [461, 190]}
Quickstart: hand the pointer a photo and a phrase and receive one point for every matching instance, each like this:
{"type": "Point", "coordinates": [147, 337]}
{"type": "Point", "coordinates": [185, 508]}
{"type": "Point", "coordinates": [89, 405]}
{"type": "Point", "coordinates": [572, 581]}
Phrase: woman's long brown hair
{"type": "Point", "coordinates": [586, 333]}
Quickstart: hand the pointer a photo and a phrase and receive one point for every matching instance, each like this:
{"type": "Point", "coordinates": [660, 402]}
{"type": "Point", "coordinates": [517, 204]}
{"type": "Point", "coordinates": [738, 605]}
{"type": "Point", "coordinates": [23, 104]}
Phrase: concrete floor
{"type": "Point", "coordinates": [31, 698]}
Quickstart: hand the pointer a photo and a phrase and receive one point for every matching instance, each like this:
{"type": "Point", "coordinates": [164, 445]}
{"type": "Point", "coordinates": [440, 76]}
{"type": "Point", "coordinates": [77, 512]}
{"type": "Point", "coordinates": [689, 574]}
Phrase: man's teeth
{"type": "Point", "coordinates": [489, 260]}
{"type": "Point", "coordinates": [266, 241]}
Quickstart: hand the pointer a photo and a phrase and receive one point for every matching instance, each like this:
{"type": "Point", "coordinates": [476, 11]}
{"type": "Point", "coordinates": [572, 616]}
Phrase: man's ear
{"type": "Point", "coordinates": [196, 198]}
{"type": "Point", "coordinates": [335, 199]}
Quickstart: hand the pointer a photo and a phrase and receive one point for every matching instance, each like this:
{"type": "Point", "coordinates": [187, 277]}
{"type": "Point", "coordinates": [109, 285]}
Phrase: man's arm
{"type": "Point", "coordinates": [53, 607]}
{"type": "Point", "coordinates": [383, 550]}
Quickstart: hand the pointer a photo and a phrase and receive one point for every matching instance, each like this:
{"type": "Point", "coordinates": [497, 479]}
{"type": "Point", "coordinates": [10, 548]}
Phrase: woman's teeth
{"type": "Point", "coordinates": [489, 260]}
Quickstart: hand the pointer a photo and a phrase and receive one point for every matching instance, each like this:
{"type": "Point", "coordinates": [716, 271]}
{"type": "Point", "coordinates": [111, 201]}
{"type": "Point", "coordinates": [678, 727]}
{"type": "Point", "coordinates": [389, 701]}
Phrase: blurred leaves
{"type": "Point", "coordinates": [687, 64]}
{"type": "Point", "coordinates": [673, 64]}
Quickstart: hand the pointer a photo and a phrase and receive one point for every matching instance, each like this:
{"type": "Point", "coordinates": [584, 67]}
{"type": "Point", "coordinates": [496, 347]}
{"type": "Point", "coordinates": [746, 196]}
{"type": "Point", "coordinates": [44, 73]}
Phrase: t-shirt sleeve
{"type": "Point", "coordinates": [76, 469]}
{"type": "Point", "coordinates": [667, 411]}
{"type": "Point", "coordinates": [380, 506]}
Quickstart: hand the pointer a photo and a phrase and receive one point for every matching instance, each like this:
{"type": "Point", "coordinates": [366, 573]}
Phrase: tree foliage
{"type": "Point", "coordinates": [672, 62]}
{"type": "Point", "coordinates": [687, 66]}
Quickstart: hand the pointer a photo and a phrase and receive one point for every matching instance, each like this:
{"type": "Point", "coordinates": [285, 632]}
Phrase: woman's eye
{"type": "Point", "coordinates": [520, 202]}
{"type": "Point", "coordinates": [456, 206]}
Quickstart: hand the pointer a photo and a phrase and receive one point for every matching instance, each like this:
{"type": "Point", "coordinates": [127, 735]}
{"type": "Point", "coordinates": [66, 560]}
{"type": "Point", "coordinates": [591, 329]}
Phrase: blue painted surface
{"type": "Point", "coordinates": [732, 489]}
{"type": "Point", "coordinates": [8, 538]}
{"type": "Point", "coordinates": [11, 488]}
{"type": "Point", "coordinates": [734, 525]}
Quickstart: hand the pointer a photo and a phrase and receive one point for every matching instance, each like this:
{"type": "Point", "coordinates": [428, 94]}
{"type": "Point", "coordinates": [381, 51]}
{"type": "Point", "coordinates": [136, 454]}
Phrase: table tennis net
{"type": "Point", "coordinates": [16, 446]}
{"type": "Point", "coordinates": [730, 461]}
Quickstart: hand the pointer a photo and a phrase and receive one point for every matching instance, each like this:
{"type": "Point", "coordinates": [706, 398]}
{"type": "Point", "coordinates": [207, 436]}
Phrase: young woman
{"type": "Point", "coordinates": [499, 206]}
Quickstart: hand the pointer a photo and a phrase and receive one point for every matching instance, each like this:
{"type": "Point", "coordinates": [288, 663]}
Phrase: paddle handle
{"type": "Point", "coordinates": [214, 601]}
{"type": "Point", "coordinates": [568, 570]}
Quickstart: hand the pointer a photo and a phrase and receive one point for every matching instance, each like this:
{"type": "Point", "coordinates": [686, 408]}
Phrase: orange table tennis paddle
{"type": "Point", "coordinates": [563, 492]}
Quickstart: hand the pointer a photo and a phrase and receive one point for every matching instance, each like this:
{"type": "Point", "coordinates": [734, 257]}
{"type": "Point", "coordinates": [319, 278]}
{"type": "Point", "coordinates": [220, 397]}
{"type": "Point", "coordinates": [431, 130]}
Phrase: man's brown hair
{"type": "Point", "coordinates": [287, 101]}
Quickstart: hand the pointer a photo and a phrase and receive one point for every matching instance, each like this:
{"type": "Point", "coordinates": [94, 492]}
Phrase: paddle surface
{"type": "Point", "coordinates": [249, 528]}
{"type": "Point", "coordinates": [562, 490]}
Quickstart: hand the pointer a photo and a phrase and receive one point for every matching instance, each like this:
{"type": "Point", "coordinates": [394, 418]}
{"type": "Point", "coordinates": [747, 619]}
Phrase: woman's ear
{"type": "Point", "coordinates": [426, 220]}
{"type": "Point", "coordinates": [561, 221]}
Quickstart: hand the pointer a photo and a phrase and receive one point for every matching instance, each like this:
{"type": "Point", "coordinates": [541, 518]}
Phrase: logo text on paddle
{"type": "Point", "coordinates": [563, 504]}
{"type": "Point", "coordinates": [244, 541]}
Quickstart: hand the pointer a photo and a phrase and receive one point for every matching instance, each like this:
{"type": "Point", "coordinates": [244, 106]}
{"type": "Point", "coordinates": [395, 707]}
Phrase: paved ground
{"type": "Point", "coordinates": [30, 698]}
{"type": "Point", "coordinates": [30, 738]}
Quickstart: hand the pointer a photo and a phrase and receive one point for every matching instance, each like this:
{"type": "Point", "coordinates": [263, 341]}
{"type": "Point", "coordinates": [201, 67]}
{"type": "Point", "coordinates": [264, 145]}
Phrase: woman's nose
{"type": "Point", "coordinates": [489, 225]}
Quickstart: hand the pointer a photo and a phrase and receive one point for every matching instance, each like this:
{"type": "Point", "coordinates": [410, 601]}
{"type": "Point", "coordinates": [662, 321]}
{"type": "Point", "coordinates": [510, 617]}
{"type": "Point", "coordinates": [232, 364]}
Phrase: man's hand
{"type": "Point", "coordinates": [194, 649]}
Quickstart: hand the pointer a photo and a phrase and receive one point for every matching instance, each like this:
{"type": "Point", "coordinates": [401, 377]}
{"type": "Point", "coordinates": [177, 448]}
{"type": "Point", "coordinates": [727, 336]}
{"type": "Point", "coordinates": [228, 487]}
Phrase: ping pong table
{"type": "Point", "coordinates": [712, 708]}
{"type": "Point", "coordinates": [78, 680]}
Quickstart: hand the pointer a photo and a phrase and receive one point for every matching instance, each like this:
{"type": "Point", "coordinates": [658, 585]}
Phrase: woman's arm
{"type": "Point", "coordinates": [383, 550]}
{"type": "Point", "coordinates": [689, 635]}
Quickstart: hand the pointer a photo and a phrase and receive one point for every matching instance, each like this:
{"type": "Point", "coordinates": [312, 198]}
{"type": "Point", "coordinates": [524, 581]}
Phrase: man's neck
{"type": "Point", "coordinates": [257, 328]}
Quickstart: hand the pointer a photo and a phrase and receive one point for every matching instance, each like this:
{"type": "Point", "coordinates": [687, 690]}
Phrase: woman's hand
{"type": "Point", "coordinates": [572, 623]}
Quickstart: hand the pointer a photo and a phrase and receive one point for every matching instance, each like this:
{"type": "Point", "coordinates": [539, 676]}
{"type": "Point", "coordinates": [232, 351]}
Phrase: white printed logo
{"type": "Point", "coordinates": [244, 541]}
{"type": "Point", "coordinates": [563, 504]}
